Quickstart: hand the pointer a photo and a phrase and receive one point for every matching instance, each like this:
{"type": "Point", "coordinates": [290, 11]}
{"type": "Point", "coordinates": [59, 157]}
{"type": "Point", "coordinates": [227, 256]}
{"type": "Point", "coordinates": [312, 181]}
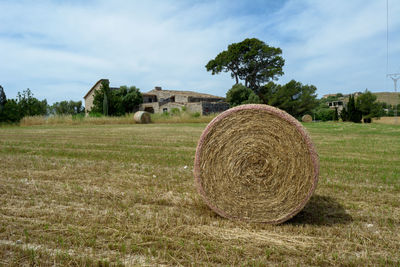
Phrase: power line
{"type": "Point", "coordinates": [387, 37]}
{"type": "Point", "coordinates": [394, 76]}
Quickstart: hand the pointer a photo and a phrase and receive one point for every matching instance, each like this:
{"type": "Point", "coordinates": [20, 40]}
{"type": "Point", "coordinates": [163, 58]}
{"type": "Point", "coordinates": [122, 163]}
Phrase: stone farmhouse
{"type": "Point", "coordinates": [159, 100]}
{"type": "Point", "coordinates": [339, 105]}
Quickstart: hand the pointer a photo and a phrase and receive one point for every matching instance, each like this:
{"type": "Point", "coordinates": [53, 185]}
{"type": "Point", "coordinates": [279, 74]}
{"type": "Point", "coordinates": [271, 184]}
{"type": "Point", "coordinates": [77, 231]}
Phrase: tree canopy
{"type": "Point", "coordinates": [240, 94]}
{"type": "Point", "coordinates": [368, 106]}
{"type": "Point", "coordinates": [294, 97]}
{"type": "Point", "coordinates": [13, 110]}
{"type": "Point", "coordinates": [67, 108]}
{"type": "Point", "coordinates": [251, 61]}
{"type": "Point", "coordinates": [351, 112]}
{"type": "Point", "coordinates": [3, 98]}
{"type": "Point", "coordinates": [29, 105]}
{"type": "Point", "coordinates": [116, 102]}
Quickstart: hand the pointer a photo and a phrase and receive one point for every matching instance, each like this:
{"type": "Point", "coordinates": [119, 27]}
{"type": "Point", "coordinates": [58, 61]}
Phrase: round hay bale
{"type": "Point", "coordinates": [256, 163]}
{"type": "Point", "coordinates": [306, 118]}
{"type": "Point", "coordinates": [142, 117]}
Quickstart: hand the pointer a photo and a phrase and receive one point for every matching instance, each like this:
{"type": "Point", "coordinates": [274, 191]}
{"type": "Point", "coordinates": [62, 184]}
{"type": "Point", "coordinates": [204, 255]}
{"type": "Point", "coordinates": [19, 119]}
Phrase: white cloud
{"type": "Point", "coordinates": [340, 46]}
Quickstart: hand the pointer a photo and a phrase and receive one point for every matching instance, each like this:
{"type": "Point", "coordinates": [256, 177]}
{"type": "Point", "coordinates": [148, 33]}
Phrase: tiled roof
{"type": "Point", "coordinates": [182, 93]}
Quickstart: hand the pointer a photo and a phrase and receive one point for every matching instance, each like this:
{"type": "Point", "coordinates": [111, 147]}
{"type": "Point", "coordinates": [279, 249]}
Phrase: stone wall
{"type": "Point", "coordinates": [150, 107]}
{"type": "Point", "coordinates": [89, 99]}
{"type": "Point", "coordinates": [194, 107]}
{"type": "Point", "coordinates": [149, 98]}
{"type": "Point", "coordinates": [203, 108]}
{"type": "Point", "coordinates": [181, 98]}
{"type": "Point", "coordinates": [170, 105]}
{"type": "Point", "coordinates": [214, 107]}
{"type": "Point", "coordinates": [201, 99]}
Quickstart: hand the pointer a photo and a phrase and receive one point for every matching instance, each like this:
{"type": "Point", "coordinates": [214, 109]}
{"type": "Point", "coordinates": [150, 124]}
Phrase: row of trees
{"type": "Point", "coordinates": [67, 108]}
{"type": "Point", "coordinates": [294, 97]}
{"type": "Point", "coordinates": [365, 106]}
{"type": "Point", "coordinates": [25, 104]}
{"type": "Point", "coordinates": [106, 101]}
{"type": "Point", "coordinates": [13, 110]}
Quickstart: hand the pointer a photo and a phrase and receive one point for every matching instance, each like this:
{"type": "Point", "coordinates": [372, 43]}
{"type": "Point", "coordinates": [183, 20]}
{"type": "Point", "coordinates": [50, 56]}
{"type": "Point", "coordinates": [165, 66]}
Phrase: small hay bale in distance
{"type": "Point", "coordinates": [142, 117]}
{"type": "Point", "coordinates": [306, 118]}
{"type": "Point", "coordinates": [256, 163]}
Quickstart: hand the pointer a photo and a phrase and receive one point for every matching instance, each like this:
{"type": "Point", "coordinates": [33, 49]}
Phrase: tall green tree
{"type": "Point", "coordinates": [344, 115]}
{"type": "Point", "coordinates": [11, 112]}
{"type": "Point", "coordinates": [368, 106]}
{"type": "Point", "coordinates": [67, 108]}
{"type": "Point", "coordinates": [29, 105]}
{"type": "Point", "coordinates": [267, 91]}
{"type": "Point", "coordinates": [131, 99]}
{"type": "Point", "coordinates": [3, 98]}
{"type": "Point", "coordinates": [105, 105]}
{"type": "Point", "coordinates": [294, 97]}
{"type": "Point", "coordinates": [335, 115]}
{"type": "Point", "coordinates": [118, 102]}
{"type": "Point", "coordinates": [352, 112]}
{"type": "Point", "coordinates": [240, 94]}
{"type": "Point", "coordinates": [98, 97]}
{"type": "Point", "coordinates": [251, 61]}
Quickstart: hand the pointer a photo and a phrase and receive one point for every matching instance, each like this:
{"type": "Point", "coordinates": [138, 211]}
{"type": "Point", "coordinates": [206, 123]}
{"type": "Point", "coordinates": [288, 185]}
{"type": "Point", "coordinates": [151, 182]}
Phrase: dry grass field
{"type": "Point", "coordinates": [388, 120]}
{"type": "Point", "coordinates": [124, 195]}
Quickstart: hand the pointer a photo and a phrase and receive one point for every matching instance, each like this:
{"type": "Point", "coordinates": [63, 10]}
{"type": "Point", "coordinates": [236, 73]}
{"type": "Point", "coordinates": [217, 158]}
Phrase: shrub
{"type": "Point", "coordinates": [95, 114]}
{"type": "Point", "coordinates": [175, 111]}
{"type": "Point", "coordinates": [325, 114]}
{"type": "Point", "coordinates": [196, 114]}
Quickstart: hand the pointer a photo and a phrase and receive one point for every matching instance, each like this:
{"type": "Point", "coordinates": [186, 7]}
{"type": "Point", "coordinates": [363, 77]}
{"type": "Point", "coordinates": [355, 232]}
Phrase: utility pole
{"type": "Point", "coordinates": [395, 77]}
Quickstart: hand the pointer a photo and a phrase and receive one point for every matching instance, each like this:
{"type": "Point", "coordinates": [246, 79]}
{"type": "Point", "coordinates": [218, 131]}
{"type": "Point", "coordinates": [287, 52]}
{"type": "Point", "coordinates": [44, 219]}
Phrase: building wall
{"type": "Point", "coordinates": [214, 107]}
{"type": "Point", "coordinates": [162, 94]}
{"type": "Point", "coordinates": [89, 99]}
{"type": "Point", "coordinates": [205, 99]}
{"type": "Point", "coordinates": [181, 98]}
{"type": "Point", "coordinates": [203, 108]}
{"type": "Point", "coordinates": [149, 99]}
{"type": "Point", "coordinates": [170, 105]}
{"type": "Point", "coordinates": [194, 107]}
{"type": "Point", "coordinates": [150, 107]}
{"type": "Point", "coordinates": [206, 108]}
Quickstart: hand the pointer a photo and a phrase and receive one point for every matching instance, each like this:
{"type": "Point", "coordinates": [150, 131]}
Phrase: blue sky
{"type": "Point", "coordinates": [59, 49]}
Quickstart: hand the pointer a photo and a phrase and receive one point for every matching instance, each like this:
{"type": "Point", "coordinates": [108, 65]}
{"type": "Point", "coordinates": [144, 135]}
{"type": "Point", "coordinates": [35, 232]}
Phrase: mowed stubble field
{"type": "Point", "coordinates": [121, 195]}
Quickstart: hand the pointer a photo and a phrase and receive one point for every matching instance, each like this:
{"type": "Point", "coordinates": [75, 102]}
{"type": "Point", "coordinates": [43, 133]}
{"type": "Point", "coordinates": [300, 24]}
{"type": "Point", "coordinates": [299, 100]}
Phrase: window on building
{"type": "Point", "coordinates": [165, 110]}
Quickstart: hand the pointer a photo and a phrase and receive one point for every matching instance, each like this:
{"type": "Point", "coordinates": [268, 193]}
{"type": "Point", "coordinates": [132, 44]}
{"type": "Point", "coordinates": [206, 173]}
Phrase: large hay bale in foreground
{"type": "Point", "coordinates": [142, 117]}
{"type": "Point", "coordinates": [306, 118]}
{"type": "Point", "coordinates": [256, 163]}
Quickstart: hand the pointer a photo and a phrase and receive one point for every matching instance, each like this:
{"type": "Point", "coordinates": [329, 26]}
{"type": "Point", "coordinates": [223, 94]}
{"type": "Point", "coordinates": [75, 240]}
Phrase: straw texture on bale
{"type": "Point", "coordinates": [256, 163]}
{"type": "Point", "coordinates": [306, 118]}
{"type": "Point", "coordinates": [142, 117]}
